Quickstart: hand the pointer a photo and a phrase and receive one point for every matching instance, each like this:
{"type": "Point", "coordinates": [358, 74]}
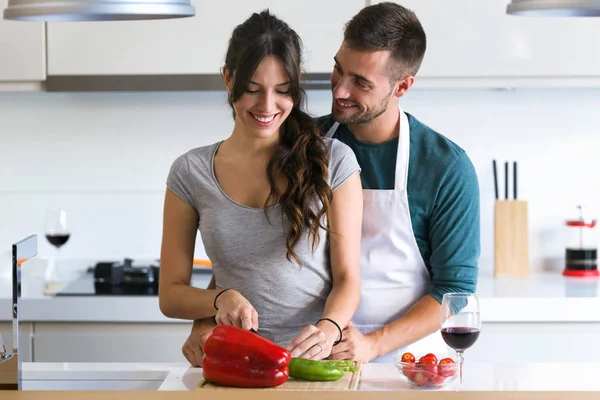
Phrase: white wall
{"type": "Point", "coordinates": [105, 156]}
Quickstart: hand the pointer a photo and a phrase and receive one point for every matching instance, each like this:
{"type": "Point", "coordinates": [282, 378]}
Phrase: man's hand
{"type": "Point", "coordinates": [354, 346]}
{"type": "Point", "coordinates": [193, 348]}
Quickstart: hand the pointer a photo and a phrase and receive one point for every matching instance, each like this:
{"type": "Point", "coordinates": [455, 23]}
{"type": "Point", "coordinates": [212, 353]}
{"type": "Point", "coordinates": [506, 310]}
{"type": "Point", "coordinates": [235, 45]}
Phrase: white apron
{"type": "Point", "coordinates": [392, 271]}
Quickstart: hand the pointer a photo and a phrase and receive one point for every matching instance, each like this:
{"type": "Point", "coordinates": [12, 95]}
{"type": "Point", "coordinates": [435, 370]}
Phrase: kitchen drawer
{"type": "Point", "coordinates": [110, 342]}
{"type": "Point", "coordinates": [26, 339]}
{"type": "Point", "coordinates": [536, 342]}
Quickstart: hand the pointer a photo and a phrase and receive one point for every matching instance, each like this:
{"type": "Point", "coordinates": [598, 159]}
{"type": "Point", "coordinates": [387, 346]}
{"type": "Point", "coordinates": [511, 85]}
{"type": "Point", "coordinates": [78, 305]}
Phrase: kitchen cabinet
{"type": "Point", "coordinates": [474, 43]}
{"type": "Point", "coordinates": [26, 339]}
{"type": "Point", "coordinates": [536, 342]}
{"type": "Point", "coordinates": [161, 342]}
{"type": "Point", "coordinates": [194, 45]}
{"type": "Point", "coordinates": [22, 50]}
{"type": "Point", "coordinates": [110, 342]}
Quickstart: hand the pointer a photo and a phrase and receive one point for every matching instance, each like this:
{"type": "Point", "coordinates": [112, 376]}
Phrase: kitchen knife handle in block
{"type": "Point", "coordinates": [511, 239]}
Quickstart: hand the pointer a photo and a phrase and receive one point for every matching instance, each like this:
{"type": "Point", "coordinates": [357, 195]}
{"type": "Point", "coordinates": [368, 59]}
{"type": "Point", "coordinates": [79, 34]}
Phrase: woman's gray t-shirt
{"type": "Point", "coordinates": [248, 252]}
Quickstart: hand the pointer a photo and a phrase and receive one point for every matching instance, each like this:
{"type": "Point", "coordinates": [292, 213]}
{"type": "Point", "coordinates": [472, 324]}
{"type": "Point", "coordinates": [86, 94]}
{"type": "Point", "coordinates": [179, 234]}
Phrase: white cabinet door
{"type": "Point", "coordinates": [26, 339]}
{"type": "Point", "coordinates": [110, 342]}
{"type": "Point", "coordinates": [195, 45]}
{"type": "Point", "coordinates": [22, 50]}
{"type": "Point", "coordinates": [477, 40]}
{"type": "Point", "coordinates": [536, 342]}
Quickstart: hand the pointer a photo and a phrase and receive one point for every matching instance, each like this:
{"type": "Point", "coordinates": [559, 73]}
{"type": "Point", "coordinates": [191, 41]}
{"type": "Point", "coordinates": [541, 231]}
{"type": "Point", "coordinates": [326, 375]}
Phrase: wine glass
{"type": "Point", "coordinates": [57, 233]}
{"type": "Point", "coordinates": [460, 322]}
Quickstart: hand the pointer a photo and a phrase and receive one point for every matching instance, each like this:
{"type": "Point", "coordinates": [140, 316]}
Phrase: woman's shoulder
{"type": "Point", "coordinates": [342, 162]}
{"type": "Point", "coordinates": [190, 172]}
{"type": "Point", "coordinates": [199, 153]}
{"type": "Point", "coordinates": [338, 150]}
{"type": "Point", "coordinates": [193, 163]}
{"type": "Point", "coordinates": [198, 157]}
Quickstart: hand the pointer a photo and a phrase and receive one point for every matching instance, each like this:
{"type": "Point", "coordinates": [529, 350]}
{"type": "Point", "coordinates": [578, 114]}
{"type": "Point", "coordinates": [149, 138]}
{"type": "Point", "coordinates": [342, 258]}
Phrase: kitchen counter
{"type": "Point", "coordinates": [375, 377]}
{"type": "Point", "coordinates": [544, 297]}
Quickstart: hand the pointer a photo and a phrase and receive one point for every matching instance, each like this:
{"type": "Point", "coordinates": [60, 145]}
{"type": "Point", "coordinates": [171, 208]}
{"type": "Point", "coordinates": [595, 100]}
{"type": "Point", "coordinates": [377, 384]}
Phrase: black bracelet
{"type": "Point", "coordinates": [217, 296]}
{"type": "Point", "coordinates": [336, 325]}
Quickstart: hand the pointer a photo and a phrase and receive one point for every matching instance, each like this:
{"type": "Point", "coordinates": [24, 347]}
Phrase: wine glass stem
{"type": "Point", "coordinates": [460, 359]}
{"type": "Point", "coordinates": [51, 270]}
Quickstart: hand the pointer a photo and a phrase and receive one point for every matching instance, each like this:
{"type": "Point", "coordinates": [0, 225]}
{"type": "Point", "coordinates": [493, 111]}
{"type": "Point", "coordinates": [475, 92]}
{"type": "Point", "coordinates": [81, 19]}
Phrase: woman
{"type": "Point", "coordinates": [279, 208]}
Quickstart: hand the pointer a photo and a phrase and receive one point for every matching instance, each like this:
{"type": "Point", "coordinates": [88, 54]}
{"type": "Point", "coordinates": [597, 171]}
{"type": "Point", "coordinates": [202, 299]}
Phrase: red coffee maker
{"type": "Point", "coordinates": [581, 254]}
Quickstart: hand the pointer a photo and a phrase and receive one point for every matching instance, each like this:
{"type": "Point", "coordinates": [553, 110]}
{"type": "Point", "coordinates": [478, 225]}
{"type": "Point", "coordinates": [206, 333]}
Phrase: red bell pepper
{"type": "Point", "coordinates": [240, 358]}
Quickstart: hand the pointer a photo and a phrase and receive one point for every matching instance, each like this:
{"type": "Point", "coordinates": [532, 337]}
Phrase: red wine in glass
{"type": "Point", "coordinates": [57, 239]}
{"type": "Point", "coordinates": [460, 323]}
{"type": "Point", "coordinates": [57, 234]}
{"type": "Point", "coordinates": [460, 338]}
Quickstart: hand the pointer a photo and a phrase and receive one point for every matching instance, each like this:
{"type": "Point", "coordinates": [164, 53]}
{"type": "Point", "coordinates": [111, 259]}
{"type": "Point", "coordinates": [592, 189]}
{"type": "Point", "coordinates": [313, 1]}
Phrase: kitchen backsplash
{"type": "Point", "coordinates": [104, 157]}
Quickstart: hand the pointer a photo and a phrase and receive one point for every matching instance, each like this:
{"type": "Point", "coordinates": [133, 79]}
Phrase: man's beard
{"type": "Point", "coordinates": [361, 116]}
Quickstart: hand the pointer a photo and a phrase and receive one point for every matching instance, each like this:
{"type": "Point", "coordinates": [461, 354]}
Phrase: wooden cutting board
{"type": "Point", "coordinates": [348, 382]}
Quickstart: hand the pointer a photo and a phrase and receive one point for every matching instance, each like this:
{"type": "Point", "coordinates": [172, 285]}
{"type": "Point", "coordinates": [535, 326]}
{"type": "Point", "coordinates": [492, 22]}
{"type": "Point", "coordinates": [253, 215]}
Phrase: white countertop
{"type": "Point", "coordinates": [544, 297]}
{"type": "Point", "coordinates": [181, 377]}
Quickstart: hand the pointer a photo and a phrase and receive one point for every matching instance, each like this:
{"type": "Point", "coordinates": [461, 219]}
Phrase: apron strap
{"type": "Point", "coordinates": [332, 130]}
{"type": "Point", "coordinates": [403, 154]}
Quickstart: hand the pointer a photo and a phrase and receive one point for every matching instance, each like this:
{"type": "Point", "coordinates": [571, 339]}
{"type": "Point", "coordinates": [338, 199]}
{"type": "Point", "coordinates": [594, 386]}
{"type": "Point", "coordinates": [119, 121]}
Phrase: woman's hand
{"type": "Point", "coordinates": [234, 309]}
{"type": "Point", "coordinates": [315, 341]}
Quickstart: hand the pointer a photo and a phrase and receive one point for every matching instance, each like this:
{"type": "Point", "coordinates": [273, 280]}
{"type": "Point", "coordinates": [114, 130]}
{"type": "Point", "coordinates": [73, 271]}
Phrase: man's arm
{"type": "Point", "coordinates": [455, 247]}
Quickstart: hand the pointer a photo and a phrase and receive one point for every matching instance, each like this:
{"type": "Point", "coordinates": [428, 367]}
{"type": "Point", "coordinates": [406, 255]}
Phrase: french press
{"type": "Point", "coordinates": [581, 254]}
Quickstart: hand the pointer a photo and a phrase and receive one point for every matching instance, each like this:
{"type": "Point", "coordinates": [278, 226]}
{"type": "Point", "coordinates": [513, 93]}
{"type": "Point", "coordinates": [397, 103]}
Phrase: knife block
{"type": "Point", "coordinates": [511, 239]}
{"type": "Point", "coordinates": [9, 373]}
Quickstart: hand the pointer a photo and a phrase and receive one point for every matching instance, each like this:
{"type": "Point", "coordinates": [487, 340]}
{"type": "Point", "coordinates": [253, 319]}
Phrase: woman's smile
{"type": "Point", "coordinates": [263, 120]}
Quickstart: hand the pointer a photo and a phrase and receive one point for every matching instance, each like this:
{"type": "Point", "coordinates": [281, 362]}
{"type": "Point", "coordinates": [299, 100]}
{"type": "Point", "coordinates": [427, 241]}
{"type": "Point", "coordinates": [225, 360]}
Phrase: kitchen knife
{"type": "Point", "coordinates": [514, 180]}
{"type": "Point", "coordinates": [506, 181]}
{"type": "Point", "coordinates": [3, 353]}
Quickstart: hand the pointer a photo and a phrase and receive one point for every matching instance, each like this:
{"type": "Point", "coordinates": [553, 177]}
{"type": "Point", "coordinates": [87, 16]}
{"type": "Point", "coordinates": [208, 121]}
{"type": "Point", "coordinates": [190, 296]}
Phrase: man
{"type": "Point", "coordinates": [421, 196]}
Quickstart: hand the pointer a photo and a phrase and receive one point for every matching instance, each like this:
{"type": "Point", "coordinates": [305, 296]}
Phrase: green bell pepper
{"type": "Point", "coordinates": [312, 370]}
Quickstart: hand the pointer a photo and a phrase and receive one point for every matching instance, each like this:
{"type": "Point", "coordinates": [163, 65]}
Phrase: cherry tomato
{"type": "Point", "coordinates": [437, 381]}
{"type": "Point", "coordinates": [447, 367]}
{"type": "Point", "coordinates": [408, 358]}
{"type": "Point", "coordinates": [429, 365]}
{"type": "Point", "coordinates": [431, 370]}
{"type": "Point", "coordinates": [409, 371]}
{"type": "Point", "coordinates": [420, 379]}
{"type": "Point", "coordinates": [429, 356]}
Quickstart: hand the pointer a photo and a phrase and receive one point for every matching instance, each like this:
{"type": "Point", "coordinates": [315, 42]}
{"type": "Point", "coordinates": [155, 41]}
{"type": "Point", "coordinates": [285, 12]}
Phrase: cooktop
{"type": "Point", "coordinates": [88, 286]}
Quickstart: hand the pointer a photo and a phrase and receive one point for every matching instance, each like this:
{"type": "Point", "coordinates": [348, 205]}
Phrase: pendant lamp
{"type": "Point", "coordinates": [554, 8]}
{"type": "Point", "coordinates": [96, 10]}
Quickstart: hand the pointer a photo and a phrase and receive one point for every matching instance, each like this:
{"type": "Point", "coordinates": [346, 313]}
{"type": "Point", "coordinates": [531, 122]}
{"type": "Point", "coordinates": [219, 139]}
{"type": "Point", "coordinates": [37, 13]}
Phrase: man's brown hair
{"type": "Point", "coordinates": [391, 27]}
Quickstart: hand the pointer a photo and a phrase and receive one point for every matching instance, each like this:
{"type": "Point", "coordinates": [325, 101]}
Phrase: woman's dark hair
{"type": "Point", "coordinates": [301, 155]}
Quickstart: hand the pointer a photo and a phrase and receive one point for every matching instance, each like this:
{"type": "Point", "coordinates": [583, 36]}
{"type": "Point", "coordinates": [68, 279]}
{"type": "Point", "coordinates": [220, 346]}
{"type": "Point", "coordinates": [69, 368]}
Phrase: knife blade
{"type": "Point", "coordinates": [3, 353]}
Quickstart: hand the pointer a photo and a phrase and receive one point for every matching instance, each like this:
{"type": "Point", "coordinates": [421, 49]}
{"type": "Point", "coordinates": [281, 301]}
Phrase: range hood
{"type": "Point", "coordinates": [160, 83]}
{"type": "Point", "coordinates": [554, 8]}
{"type": "Point", "coordinates": [96, 10]}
